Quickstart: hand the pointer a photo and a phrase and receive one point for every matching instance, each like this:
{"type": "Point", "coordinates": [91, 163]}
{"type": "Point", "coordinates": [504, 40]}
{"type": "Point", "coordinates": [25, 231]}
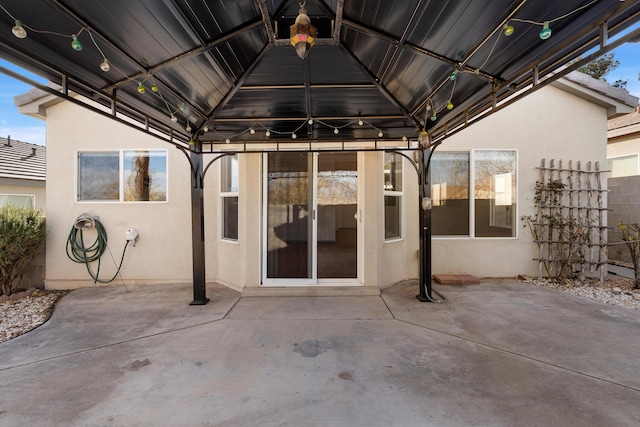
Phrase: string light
{"type": "Point", "coordinates": [449, 105]}
{"type": "Point", "coordinates": [76, 44]}
{"type": "Point", "coordinates": [380, 134]}
{"type": "Point", "coordinates": [508, 30]}
{"type": "Point", "coordinates": [293, 135]}
{"type": "Point", "coordinates": [227, 141]}
{"type": "Point", "coordinates": [453, 75]}
{"type": "Point", "coordinates": [310, 121]}
{"type": "Point", "coordinates": [252, 131]}
{"type": "Point", "coordinates": [188, 128]}
{"type": "Point", "coordinates": [336, 131]}
{"type": "Point", "coordinates": [205, 128]}
{"type": "Point", "coordinates": [267, 133]}
{"type": "Point", "coordinates": [18, 30]}
{"type": "Point", "coordinates": [545, 33]}
{"type": "Point", "coordinates": [360, 122]}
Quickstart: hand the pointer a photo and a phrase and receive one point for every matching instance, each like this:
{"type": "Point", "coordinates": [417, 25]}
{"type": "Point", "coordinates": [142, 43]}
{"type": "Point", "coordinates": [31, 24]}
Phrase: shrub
{"type": "Point", "coordinates": [22, 235]}
{"type": "Point", "coordinates": [631, 237]}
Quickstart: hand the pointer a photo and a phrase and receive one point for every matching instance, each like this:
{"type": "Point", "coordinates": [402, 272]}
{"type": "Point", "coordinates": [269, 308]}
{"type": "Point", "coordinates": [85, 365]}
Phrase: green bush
{"type": "Point", "coordinates": [22, 235]}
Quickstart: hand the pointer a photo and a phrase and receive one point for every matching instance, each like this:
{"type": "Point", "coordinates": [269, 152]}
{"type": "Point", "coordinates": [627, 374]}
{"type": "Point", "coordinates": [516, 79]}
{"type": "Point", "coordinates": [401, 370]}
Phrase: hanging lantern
{"type": "Point", "coordinates": [303, 34]}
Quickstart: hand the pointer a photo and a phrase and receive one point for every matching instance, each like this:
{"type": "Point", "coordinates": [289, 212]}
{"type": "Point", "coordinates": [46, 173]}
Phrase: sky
{"type": "Point", "coordinates": [27, 129]}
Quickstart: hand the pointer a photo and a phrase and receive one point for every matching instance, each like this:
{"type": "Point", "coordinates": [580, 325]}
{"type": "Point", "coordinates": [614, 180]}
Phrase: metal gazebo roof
{"type": "Point", "coordinates": [379, 70]}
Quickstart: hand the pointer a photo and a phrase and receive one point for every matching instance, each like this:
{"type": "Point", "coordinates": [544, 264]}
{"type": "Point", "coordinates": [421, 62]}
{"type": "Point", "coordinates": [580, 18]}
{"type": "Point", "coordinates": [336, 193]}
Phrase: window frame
{"type": "Point", "coordinates": [26, 196]}
{"type": "Point", "coordinates": [472, 197]}
{"type": "Point", "coordinates": [229, 195]}
{"type": "Point", "coordinates": [121, 175]}
{"type": "Point", "coordinates": [398, 194]}
{"type": "Point", "coordinates": [622, 156]}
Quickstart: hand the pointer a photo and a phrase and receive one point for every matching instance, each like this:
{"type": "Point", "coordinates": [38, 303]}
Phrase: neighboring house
{"type": "Point", "coordinates": [623, 148]}
{"type": "Point", "coordinates": [623, 154]}
{"type": "Point", "coordinates": [23, 183]}
{"type": "Point", "coordinates": [22, 173]}
{"type": "Point", "coordinates": [297, 219]}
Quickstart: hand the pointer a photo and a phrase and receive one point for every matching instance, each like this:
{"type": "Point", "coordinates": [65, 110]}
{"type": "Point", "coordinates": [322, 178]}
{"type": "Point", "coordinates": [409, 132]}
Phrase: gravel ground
{"type": "Point", "coordinates": [615, 290]}
{"type": "Point", "coordinates": [21, 316]}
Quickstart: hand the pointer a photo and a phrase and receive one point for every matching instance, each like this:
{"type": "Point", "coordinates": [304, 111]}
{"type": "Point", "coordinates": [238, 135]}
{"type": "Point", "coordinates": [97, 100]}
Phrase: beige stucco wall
{"type": "Point", "coordinates": [547, 124]}
{"type": "Point", "coordinates": [163, 250]}
{"type": "Point", "coordinates": [537, 126]}
{"type": "Point", "coordinates": [27, 188]}
{"type": "Point", "coordinates": [624, 145]}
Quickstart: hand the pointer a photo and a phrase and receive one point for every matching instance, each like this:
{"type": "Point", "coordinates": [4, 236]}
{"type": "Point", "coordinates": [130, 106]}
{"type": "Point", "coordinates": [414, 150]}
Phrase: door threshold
{"type": "Point", "coordinates": [311, 291]}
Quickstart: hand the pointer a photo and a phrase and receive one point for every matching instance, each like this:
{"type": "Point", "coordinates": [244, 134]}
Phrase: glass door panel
{"type": "Point", "coordinates": [337, 199]}
{"type": "Point", "coordinates": [289, 236]}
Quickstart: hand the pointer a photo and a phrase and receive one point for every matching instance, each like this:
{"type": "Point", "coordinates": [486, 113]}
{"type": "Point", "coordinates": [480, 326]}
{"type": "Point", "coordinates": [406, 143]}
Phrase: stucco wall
{"type": "Point", "coordinates": [538, 126]}
{"type": "Point", "coordinates": [163, 250]}
{"type": "Point", "coordinates": [547, 124]}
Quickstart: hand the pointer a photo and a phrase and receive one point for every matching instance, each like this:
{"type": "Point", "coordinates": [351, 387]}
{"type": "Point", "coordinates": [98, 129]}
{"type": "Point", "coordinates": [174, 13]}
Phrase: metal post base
{"type": "Point", "coordinates": [423, 298]}
{"type": "Point", "coordinates": [199, 302]}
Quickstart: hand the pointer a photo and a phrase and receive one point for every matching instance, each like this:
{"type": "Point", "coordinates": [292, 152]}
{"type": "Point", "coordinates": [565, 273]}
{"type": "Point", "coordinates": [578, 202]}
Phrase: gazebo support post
{"type": "Point", "coordinates": [197, 227]}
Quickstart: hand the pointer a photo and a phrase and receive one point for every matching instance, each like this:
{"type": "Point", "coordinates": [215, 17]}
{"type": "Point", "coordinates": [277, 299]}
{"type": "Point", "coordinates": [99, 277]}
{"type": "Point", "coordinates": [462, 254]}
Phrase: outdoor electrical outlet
{"type": "Point", "coordinates": [131, 235]}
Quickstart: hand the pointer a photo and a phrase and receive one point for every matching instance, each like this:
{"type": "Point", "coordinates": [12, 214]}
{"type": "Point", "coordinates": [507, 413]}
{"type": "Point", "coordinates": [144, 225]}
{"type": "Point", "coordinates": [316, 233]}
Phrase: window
{"type": "Point", "coordinates": [229, 196]}
{"type": "Point", "coordinates": [392, 196]}
{"type": "Point", "coordinates": [493, 180]}
{"type": "Point", "coordinates": [623, 166]}
{"type": "Point", "coordinates": [127, 175]}
{"type": "Point", "coordinates": [19, 200]}
{"type": "Point", "coordinates": [450, 193]}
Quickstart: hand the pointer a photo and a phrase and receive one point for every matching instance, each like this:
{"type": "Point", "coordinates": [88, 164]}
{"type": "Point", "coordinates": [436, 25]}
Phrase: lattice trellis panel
{"type": "Point", "coordinates": [569, 225]}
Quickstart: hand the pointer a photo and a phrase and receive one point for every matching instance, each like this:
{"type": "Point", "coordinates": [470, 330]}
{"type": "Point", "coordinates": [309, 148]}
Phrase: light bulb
{"type": "Point", "coordinates": [310, 121]}
{"type": "Point", "coordinates": [360, 122]}
{"type": "Point", "coordinates": [267, 133]}
{"type": "Point", "coordinates": [508, 29]}
{"type": "Point", "coordinates": [453, 75]}
{"type": "Point", "coordinates": [183, 107]}
{"type": "Point", "coordinates": [188, 128]}
{"type": "Point", "coordinates": [449, 105]}
{"type": "Point", "coordinates": [104, 65]}
{"type": "Point", "coordinates": [294, 136]}
{"type": "Point", "coordinates": [192, 143]}
{"type": "Point", "coordinates": [404, 138]}
{"type": "Point", "coordinates": [75, 44]}
{"type": "Point", "coordinates": [174, 118]}
{"type": "Point", "coordinates": [545, 33]}
{"type": "Point", "coordinates": [336, 131]}
{"type": "Point", "coordinates": [252, 131]}
{"type": "Point", "coordinates": [205, 128]}
{"type": "Point", "coordinates": [227, 141]}
{"type": "Point", "coordinates": [154, 87]}
{"type": "Point", "coordinates": [433, 117]}
{"type": "Point", "coordinates": [428, 107]}
{"type": "Point", "coordinates": [18, 30]}
{"type": "Point", "coordinates": [380, 134]}
{"type": "Point", "coordinates": [141, 88]}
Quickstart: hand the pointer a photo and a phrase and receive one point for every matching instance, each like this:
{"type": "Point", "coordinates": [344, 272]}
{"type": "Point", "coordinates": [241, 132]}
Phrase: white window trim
{"type": "Point", "coordinates": [400, 195]}
{"type": "Point", "coordinates": [472, 205]}
{"type": "Point", "coordinates": [120, 153]}
{"type": "Point", "coordinates": [226, 194]}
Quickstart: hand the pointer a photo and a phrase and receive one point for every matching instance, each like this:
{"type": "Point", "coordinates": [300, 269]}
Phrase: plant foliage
{"type": "Point", "coordinates": [22, 235]}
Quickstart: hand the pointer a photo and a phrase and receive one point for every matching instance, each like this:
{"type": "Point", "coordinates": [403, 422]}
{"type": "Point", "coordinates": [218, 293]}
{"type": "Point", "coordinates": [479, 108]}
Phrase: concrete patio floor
{"type": "Point", "coordinates": [503, 353]}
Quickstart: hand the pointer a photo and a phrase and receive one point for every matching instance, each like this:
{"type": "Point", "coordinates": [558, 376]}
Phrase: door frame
{"type": "Point", "coordinates": [314, 280]}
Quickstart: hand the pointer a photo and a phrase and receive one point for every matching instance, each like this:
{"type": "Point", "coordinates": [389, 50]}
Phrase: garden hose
{"type": "Point", "coordinates": [77, 251]}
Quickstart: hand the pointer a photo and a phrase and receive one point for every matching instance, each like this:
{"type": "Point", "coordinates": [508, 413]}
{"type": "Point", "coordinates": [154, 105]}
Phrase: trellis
{"type": "Point", "coordinates": [569, 227]}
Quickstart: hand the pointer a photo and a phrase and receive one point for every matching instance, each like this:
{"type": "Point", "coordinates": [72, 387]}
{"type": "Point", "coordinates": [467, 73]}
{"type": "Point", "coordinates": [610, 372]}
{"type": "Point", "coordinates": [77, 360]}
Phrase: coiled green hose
{"type": "Point", "coordinates": [77, 250]}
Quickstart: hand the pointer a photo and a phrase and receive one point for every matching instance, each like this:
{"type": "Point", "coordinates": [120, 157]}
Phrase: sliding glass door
{"type": "Point", "coordinates": [310, 208]}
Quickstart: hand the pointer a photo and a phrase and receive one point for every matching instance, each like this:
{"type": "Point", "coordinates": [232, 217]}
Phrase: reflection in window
{"type": "Point", "coordinates": [494, 193]}
{"type": "Point", "coordinates": [229, 196]}
{"type": "Point", "coordinates": [145, 175]}
{"type": "Point", "coordinates": [98, 176]}
{"type": "Point", "coordinates": [450, 193]}
{"type": "Point", "coordinates": [392, 196]}
{"type": "Point", "coordinates": [495, 189]}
